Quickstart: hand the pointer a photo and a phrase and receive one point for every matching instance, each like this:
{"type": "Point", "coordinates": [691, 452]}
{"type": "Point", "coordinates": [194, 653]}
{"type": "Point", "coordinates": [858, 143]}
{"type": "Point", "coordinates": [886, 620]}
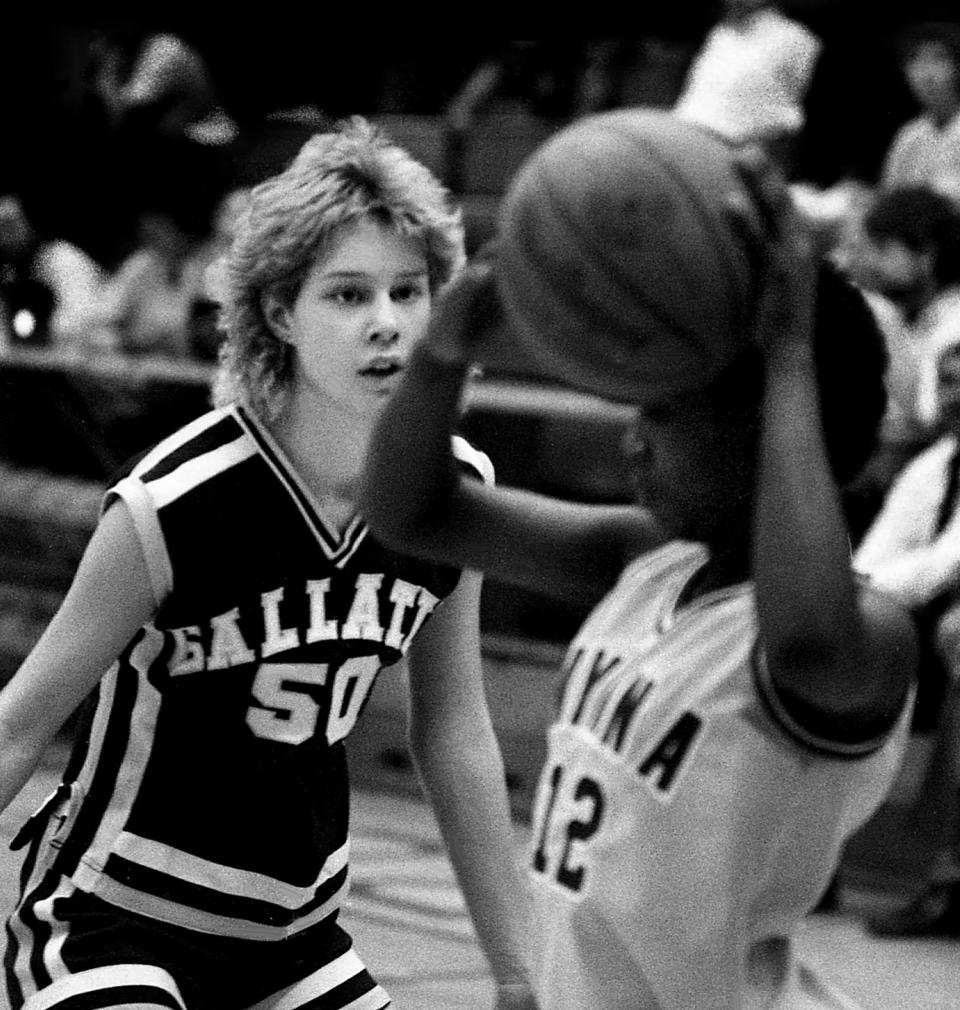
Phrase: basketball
{"type": "Point", "coordinates": [628, 255]}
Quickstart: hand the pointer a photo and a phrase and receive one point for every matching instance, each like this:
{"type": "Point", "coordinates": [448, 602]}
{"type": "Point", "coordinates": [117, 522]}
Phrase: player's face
{"type": "Point", "coordinates": [932, 75]}
{"type": "Point", "coordinates": [360, 311]}
{"type": "Point", "coordinates": [693, 468]}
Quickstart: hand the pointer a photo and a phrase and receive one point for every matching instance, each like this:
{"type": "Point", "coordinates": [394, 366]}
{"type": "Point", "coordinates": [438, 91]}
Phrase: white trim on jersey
{"type": "Point", "coordinates": [189, 475]}
{"type": "Point", "coordinates": [145, 498]}
{"type": "Point", "coordinates": [322, 981]}
{"type": "Point", "coordinates": [25, 935]}
{"type": "Point", "coordinates": [179, 438]}
{"type": "Point", "coordinates": [133, 899]}
{"type": "Point", "coordinates": [230, 880]}
{"type": "Point", "coordinates": [135, 496]}
{"type": "Point", "coordinates": [781, 714]}
{"type": "Point", "coordinates": [131, 768]}
{"type": "Point", "coordinates": [480, 461]}
{"type": "Point", "coordinates": [99, 979]}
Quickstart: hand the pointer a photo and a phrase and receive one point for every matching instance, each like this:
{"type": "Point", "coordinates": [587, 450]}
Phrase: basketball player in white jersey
{"type": "Point", "coordinates": [229, 620]}
{"type": "Point", "coordinates": [736, 704]}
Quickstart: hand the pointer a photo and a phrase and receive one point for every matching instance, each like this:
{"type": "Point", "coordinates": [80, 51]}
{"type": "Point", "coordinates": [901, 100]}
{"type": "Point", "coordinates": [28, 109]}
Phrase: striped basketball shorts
{"type": "Point", "coordinates": [69, 950]}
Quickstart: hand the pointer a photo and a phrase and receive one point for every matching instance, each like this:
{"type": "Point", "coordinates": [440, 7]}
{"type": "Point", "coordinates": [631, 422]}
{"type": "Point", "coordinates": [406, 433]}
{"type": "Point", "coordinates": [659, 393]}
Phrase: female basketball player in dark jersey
{"type": "Point", "coordinates": [736, 704]}
{"type": "Point", "coordinates": [231, 616]}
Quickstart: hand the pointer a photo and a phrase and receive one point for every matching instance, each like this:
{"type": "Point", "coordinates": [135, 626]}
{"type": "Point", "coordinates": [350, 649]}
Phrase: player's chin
{"type": "Point", "coordinates": [379, 387]}
{"type": "Point", "coordinates": [660, 508]}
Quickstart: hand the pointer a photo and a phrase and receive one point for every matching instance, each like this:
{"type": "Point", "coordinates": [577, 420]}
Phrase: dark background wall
{"type": "Point", "coordinates": [58, 152]}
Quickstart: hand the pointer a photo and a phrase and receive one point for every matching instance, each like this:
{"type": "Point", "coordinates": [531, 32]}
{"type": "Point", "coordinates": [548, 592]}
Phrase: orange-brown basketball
{"type": "Point", "coordinates": [628, 255]}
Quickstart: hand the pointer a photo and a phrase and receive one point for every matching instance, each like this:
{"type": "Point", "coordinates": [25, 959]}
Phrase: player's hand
{"type": "Point", "coordinates": [788, 281]}
{"type": "Point", "coordinates": [466, 318]}
{"type": "Point", "coordinates": [515, 996]}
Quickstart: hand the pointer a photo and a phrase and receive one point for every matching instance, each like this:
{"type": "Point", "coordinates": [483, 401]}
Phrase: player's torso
{"type": "Point", "coordinates": [663, 768]}
{"type": "Point", "coordinates": [214, 786]}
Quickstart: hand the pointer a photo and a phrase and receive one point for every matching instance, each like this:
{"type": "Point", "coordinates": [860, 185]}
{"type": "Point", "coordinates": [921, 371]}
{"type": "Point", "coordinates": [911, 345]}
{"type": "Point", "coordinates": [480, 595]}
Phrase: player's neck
{"type": "Point", "coordinates": [942, 113]}
{"type": "Point", "coordinates": [326, 447]}
{"type": "Point", "coordinates": [723, 569]}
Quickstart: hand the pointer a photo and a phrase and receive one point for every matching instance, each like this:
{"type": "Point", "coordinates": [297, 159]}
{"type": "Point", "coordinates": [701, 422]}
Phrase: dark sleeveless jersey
{"type": "Point", "coordinates": [211, 791]}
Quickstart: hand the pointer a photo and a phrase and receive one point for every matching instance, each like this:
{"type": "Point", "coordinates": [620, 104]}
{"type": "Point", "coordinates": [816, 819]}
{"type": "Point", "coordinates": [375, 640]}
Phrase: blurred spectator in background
{"type": "Point", "coordinates": [157, 83]}
{"type": "Point", "coordinates": [913, 552]}
{"type": "Point", "coordinates": [203, 330]}
{"type": "Point", "coordinates": [26, 300]}
{"type": "Point", "coordinates": [926, 150]}
{"type": "Point", "coordinates": [109, 100]}
{"type": "Point", "coordinates": [908, 263]}
{"type": "Point", "coordinates": [749, 79]}
{"type": "Point", "coordinates": [524, 77]}
{"type": "Point", "coordinates": [50, 291]}
{"type": "Point", "coordinates": [153, 296]}
{"type": "Point", "coordinates": [618, 72]}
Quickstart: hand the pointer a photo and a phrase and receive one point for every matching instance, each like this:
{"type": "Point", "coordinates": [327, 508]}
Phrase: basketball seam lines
{"type": "Point", "coordinates": [685, 334]}
{"type": "Point", "coordinates": [695, 199]}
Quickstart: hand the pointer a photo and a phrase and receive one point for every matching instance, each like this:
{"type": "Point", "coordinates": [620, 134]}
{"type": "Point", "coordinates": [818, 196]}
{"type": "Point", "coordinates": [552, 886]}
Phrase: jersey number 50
{"type": "Point", "coordinates": [290, 714]}
{"type": "Point", "coordinates": [572, 815]}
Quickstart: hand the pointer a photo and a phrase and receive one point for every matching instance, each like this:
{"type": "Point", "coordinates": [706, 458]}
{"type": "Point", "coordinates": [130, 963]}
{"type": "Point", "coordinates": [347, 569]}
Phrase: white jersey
{"type": "Point", "coordinates": [685, 820]}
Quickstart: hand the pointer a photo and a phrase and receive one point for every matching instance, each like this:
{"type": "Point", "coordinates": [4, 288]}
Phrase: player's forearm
{"type": "Point", "coordinates": [410, 478]}
{"type": "Point", "coordinates": [806, 597]}
{"type": "Point", "coordinates": [18, 759]}
{"type": "Point", "coordinates": [465, 781]}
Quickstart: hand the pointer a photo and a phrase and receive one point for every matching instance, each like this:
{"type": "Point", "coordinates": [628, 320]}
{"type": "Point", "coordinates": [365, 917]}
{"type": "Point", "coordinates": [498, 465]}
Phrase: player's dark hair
{"type": "Point", "coordinates": [921, 219]}
{"type": "Point", "coordinates": [851, 362]}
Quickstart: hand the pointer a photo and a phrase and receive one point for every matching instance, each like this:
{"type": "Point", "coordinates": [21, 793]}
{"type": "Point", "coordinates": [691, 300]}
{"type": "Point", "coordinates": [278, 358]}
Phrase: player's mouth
{"type": "Point", "coordinates": [382, 367]}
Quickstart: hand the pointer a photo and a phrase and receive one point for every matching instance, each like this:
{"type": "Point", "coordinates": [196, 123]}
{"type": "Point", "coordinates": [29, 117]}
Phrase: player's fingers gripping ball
{"type": "Point", "coordinates": [629, 255]}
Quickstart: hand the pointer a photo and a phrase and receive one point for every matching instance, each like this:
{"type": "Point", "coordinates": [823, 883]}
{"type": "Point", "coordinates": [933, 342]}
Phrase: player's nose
{"type": "Point", "coordinates": [383, 325]}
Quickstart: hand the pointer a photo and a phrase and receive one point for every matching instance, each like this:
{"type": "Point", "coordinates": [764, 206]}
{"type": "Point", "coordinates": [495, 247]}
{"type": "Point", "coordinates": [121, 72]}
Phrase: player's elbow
{"type": "Point", "coordinates": [859, 682]}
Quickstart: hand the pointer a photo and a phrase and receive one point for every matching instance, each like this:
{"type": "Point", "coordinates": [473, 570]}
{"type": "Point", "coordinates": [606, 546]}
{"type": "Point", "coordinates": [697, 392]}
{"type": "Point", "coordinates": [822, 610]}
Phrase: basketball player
{"type": "Point", "coordinates": [231, 615]}
{"type": "Point", "coordinates": [736, 704]}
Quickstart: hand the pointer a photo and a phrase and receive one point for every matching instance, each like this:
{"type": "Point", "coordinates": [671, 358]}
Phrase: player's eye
{"type": "Point", "coordinates": [349, 295]}
{"type": "Point", "coordinates": [409, 291]}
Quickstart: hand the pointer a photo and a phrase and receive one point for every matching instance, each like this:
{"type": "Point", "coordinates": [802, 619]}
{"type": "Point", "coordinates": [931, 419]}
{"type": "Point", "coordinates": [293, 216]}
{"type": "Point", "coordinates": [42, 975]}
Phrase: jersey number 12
{"type": "Point", "coordinates": [572, 815]}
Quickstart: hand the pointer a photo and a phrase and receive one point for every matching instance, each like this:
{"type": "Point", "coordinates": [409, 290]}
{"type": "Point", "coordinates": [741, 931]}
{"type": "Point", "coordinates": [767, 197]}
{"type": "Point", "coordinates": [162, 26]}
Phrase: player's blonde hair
{"type": "Point", "coordinates": [336, 179]}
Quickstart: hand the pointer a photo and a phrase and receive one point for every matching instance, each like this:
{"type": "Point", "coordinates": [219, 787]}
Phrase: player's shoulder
{"type": "Point", "coordinates": [859, 725]}
{"type": "Point", "coordinates": [670, 560]}
{"type": "Point", "coordinates": [202, 437]}
{"type": "Point", "coordinates": [188, 457]}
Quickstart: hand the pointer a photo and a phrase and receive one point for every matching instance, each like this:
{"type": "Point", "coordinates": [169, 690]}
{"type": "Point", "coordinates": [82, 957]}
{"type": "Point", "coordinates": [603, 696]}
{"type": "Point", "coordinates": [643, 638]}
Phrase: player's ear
{"type": "Point", "coordinates": [277, 314]}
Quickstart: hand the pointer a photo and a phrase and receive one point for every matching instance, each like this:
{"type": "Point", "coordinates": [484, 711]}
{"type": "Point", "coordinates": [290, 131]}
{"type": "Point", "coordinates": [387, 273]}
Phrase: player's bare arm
{"type": "Point", "coordinates": [108, 600]}
{"type": "Point", "coordinates": [561, 548]}
{"type": "Point", "coordinates": [833, 647]}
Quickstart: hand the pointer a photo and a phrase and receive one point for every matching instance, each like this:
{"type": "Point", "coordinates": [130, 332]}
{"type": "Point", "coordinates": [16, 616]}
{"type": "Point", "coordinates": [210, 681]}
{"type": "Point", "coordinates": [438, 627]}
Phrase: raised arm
{"type": "Point", "coordinates": [415, 498]}
{"type": "Point", "coordinates": [109, 599]}
{"type": "Point", "coordinates": [837, 654]}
